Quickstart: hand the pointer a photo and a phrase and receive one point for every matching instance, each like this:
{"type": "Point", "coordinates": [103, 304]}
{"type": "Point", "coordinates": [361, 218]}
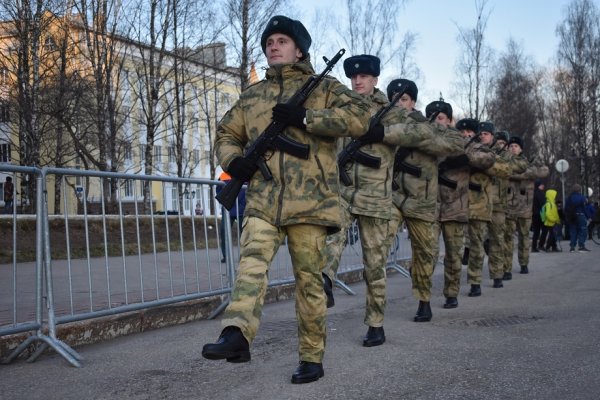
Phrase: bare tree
{"type": "Point", "coordinates": [24, 58]}
{"type": "Point", "coordinates": [247, 20]}
{"type": "Point", "coordinates": [193, 24]}
{"type": "Point", "coordinates": [512, 106]}
{"type": "Point", "coordinates": [579, 35]}
{"type": "Point", "coordinates": [151, 27]}
{"type": "Point", "coordinates": [100, 143]}
{"type": "Point", "coordinates": [475, 61]}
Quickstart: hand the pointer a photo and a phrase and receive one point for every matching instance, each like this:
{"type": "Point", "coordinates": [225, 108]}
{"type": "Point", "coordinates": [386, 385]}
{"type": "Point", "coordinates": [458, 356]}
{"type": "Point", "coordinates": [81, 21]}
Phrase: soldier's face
{"type": "Point", "coordinates": [486, 138]}
{"type": "Point", "coordinates": [281, 49]}
{"type": "Point", "coordinates": [515, 148]}
{"type": "Point", "coordinates": [467, 133]}
{"type": "Point", "coordinates": [501, 143]}
{"type": "Point", "coordinates": [443, 120]}
{"type": "Point", "coordinates": [363, 84]}
{"type": "Point", "coordinates": [406, 102]}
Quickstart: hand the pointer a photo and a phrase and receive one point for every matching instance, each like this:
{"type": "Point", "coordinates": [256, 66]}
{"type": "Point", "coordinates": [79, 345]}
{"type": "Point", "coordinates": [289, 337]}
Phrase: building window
{"type": "Point", "coordinates": [174, 202]}
{"type": "Point", "coordinates": [196, 157]}
{"type": "Point", "coordinates": [3, 75]}
{"type": "Point", "coordinates": [172, 158]}
{"type": "Point", "coordinates": [5, 153]}
{"type": "Point", "coordinates": [185, 155]}
{"type": "Point", "coordinates": [128, 187]}
{"type": "Point", "coordinates": [4, 112]}
{"type": "Point", "coordinates": [157, 155]}
{"type": "Point", "coordinates": [142, 153]}
{"type": "Point", "coordinates": [127, 151]}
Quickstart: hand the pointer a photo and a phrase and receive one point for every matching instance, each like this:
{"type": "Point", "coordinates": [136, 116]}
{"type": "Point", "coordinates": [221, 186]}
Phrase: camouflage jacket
{"type": "Point", "coordinates": [480, 188]}
{"type": "Point", "coordinates": [521, 188]}
{"type": "Point", "coordinates": [422, 143]}
{"type": "Point", "coordinates": [371, 190]}
{"type": "Point", "coordinates": [499, 186]}
{"type": "Point", "coordinates": [301, 191]}
{"type": "Point", "coordinates": [454, 202]}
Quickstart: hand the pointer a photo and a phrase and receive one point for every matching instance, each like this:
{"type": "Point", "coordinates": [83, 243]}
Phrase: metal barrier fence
{"type": "Point", "coordinates": [99, 258]}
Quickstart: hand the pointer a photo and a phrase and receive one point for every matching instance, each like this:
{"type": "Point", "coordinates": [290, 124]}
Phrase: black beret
{"type": "Point", "coordinates": [394, 87]}
{"type": "Point", "coordinates": [501, 135]}
{"type": "Point", "coordinates": [440, 106]}
{"type": "Point", "coordinates": [363, 64]}
{"type": "Point", "coordinates": [487, 126]}
{"type": "Point", "coordinates": [289, 27]}
{"type": "Point", "coordinates": [470, 124]}
{"type": "Point", "coordinates": [517, 140]}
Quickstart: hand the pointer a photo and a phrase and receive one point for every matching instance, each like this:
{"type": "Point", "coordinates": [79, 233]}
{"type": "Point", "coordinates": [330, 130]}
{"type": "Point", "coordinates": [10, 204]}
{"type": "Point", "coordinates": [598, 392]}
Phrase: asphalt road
{"type": "Point", "coordinates": [536, 338]}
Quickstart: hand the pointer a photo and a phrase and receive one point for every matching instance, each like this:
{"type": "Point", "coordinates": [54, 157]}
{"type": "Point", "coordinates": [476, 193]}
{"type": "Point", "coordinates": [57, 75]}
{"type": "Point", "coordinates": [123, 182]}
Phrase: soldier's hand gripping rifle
{"type": "Point", "coordinates": [271, 139]}
{"type": "Point", "coordinates": [353, 153]}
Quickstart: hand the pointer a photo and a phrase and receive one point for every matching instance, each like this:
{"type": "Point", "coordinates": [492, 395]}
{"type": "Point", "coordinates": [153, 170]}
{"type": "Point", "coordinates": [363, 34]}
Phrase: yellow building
{"type": "Point", "coordinates": [188, 105]}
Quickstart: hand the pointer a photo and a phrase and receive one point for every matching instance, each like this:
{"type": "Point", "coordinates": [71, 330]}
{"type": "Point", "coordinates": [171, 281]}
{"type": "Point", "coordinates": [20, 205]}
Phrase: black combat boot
{"type": "Point", "coordinates": [375, 337]}
{"type": "Point", "coordinates": [498, 283]}
{"type": "Point", "coordinates": [423, 312]}
{"type": "Point", "coordinates": [231, 345]}
{"type": "Point", "coordinates": [524, 269]}
{"type": "Point", "coordinates": [475, 291]}
{"type": "Point", "coordinates": [328, 288]}
{"type": "Point", "coordinates": [451, 302]}
{"type": "Point", "coordinates": [307, 372]}
{"type": "Point", "coordinates": [507, 276]}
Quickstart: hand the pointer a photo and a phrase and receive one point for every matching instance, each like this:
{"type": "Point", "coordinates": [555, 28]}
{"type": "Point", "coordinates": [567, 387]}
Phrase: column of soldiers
{"type": "Point", "coordinates": [304, 201]}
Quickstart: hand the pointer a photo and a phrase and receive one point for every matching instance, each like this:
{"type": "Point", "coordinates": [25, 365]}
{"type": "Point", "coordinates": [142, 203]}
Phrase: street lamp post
{"type": "Point", "coordinates": [562, 166]}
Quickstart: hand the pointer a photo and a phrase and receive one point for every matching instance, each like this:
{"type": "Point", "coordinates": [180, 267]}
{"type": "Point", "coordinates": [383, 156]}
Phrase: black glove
{"type": "Point", "coordinates": [241, 169]}
{"type": "Point", "coordinates": [375, 134]}
{"type": "Point", "coordinates": [288, 114]}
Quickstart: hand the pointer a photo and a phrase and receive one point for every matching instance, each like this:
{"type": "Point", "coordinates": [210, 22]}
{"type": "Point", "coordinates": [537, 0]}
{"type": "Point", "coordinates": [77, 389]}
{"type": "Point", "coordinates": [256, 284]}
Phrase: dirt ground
{"type": "Point", "coordinates": [114, 241]}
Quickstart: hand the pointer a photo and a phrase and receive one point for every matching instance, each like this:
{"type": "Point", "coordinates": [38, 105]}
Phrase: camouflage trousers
{"type": "Point", "coordinates": [375, 239]}
{"type": "Point", "coordinates": [453, 234]}
{"type": "Point", "coordinates": [521, 226]}
{"type": "Point", "coordinates": [421, 242]}
{"type": "Point", "coordinates": [477, 233]}
{"type": "Point", "coordinates": [259, 243]}
{"type": "Point", "coordinates": [496, 256]}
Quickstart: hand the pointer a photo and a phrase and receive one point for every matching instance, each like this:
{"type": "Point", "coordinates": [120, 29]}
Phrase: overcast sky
{"type": "Point", "coordinates": [532, 23]}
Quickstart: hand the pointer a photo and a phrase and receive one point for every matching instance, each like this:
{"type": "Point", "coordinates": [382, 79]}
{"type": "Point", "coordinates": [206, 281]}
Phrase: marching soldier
{"type": "Point", "coordinates": [519, 211]}
{"type": "Point", "coordinates": [301, 201]}
{"type": "Point", "coordinates": [369, 201]}
{"type": "Point", "coordinates": [454, 203]}
{"type": "Point", "coordinates": [480, 209]}
{"type": "Point", "coordinates": [499, 195]}
{"type": "Point", "coordinates": [416, 177]}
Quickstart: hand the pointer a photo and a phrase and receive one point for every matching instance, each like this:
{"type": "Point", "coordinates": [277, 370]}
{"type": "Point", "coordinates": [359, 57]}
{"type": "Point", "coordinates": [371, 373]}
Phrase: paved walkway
{"type": "Point", "coordinates": [536, 338]}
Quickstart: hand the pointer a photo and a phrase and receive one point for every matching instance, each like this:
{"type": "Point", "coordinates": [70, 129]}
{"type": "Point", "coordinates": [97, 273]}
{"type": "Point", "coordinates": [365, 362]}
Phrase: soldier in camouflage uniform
{"type": "Point", "coordinates": [499, 195]}
{"type": "Point", "coordinates": [439, 112]}
{"type": "Point", "coordinates": [520, 206]}
{"type": "Point", "coordinates": [480, 208]}
{"type": "Point", "coordinates": [369, 201]}
{"type": "Point", "coordinates": [416, 176]}
{"type": "Point", "coordinates": [454, 202]}
{"type": "Point", "coordinates": [301, 201]}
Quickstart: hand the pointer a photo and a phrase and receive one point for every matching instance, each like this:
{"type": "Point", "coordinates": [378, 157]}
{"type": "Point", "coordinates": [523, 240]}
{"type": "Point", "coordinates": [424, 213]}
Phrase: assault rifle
{"type": "Point", "coordinates": [352, 151]}
{"type": "Point", "coordinates": [402, 166]}
{"type": "Point", "coordinates": [271, 139]}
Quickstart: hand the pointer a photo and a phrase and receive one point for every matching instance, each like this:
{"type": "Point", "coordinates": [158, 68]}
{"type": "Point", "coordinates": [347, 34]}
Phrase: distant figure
{"type": "Point", "coordinates": [199, 210]}
{"type": "Point", "coordinates": [575, 212]}
{"type": "Point", "coordinates": [9, 193]}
